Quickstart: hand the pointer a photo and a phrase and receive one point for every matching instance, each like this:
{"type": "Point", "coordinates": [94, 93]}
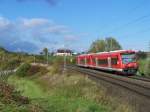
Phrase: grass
{"type": "Point", "coordinates": [51, 91]}
{"type": "Point", "coordinates": [64, 98]}
{"type": "Point", "coordinates": [66, 93]}
{"type": "Point", "coordinates": [144, 67]}
{"type": "Point", "coordinates": [27, 87]}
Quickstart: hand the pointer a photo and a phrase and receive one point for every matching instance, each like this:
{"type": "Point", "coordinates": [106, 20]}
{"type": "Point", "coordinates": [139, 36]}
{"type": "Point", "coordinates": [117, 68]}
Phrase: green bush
{"type": "Point", "coordinates": [147, 68]}
{"type": "Point", "coordinates": [144, 67]}
{"type": "Point", "coordinates": [40, 70]}
{"type": "Point", "coordinates": [141, 66]}
{"type": "Point", "coordinates": [23, 69]}
{"type": "Point", "coordinates": [9, 65]}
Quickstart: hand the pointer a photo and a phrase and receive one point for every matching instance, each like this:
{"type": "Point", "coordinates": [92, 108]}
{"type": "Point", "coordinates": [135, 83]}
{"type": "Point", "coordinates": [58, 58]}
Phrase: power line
{"type": "Point", "coordinates": [129, 23]}
{"type": "Point", "coordinates": [138, 32]}
{"type": "Point", "coordinates": [132, 21]}
{"type": "Point", "coordinates": [138, 6]}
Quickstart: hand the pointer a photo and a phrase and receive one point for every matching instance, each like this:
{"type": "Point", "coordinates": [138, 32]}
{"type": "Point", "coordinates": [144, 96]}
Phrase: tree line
{"type": "Point", "coordinates": [107, 44]}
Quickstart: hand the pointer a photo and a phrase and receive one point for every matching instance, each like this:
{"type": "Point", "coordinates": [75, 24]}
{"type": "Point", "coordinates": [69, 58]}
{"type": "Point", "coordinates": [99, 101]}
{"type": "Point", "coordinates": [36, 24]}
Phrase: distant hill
{"type": "Point", "coordinates": [3, 50]}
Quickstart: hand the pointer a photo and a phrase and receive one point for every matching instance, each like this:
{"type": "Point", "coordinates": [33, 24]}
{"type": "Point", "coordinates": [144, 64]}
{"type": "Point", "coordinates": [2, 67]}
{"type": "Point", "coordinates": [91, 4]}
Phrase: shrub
{"type": "Point", "coordinates": [141, 55]}
{"type": "Point", "coordinates": [57, 64]}
{"type": "Point", "coordinates": [9, 65]}
{"type": "Point", "coordinates": [13, 63]}
{"type": "Point", "coordinates": [8, 94]}
{"type": "Point", "coordinates": [56, 68]}
{"type": "Point", "coordinates": [36, 69]}
{"type": "Point", "coordinates": [141, 66]}
{"type": "Point", "coordinates": [23, 69]}
{"type": "Point", "coordinates": [147, 68]}
{"type": "Point", "coordinates": [144, 67]}
{"type": "Point", "coordinates": [33, 70]}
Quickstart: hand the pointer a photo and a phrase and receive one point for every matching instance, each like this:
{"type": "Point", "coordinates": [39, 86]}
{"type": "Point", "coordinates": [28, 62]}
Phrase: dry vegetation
{"type": "Point", "coordinates": [41, 89]}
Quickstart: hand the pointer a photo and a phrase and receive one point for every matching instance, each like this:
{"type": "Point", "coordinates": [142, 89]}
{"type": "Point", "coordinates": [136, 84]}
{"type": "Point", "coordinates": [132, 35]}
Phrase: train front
{"type": "Point", "coordinates": [129, 63]}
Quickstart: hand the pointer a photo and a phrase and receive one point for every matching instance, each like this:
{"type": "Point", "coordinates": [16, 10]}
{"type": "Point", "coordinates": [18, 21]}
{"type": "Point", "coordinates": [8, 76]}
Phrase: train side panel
{"type": "Point", "coordinates": [110, 61]}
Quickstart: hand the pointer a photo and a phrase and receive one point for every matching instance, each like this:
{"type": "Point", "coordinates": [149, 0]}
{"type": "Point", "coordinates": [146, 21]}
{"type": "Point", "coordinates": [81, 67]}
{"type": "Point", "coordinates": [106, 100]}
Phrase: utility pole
{"type": "Point", "coordinates": [47, 58]}
{"type": "Point", "coordinates": [34, 59]}
{"type": "Point", "coordinates": [96, 46]}
{"type": "Point", "coordinates": [64, 60]}
{"type": "Point", "coordinates": [149, 51]}
{"type": "Point", "coordinates": [111, 45]}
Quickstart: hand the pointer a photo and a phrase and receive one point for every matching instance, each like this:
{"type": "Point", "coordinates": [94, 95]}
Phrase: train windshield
{"type": "Point", "coordinates": [128, 58]}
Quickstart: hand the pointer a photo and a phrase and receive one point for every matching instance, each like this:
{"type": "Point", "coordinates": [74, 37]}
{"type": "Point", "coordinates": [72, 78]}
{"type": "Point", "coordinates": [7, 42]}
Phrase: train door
{"type": "Point", "coordinates": [93, 61]}
{"type": "Point", "coordinates": [96, 61]}
{"type": "Point", "coordinates": [114, 61]}
{"type": "Point", "coordinates": [109, 62]}
{"type": "Point", "coordinates": [78, 60]}
{"type": "Point", "coordinates": [85, 60]}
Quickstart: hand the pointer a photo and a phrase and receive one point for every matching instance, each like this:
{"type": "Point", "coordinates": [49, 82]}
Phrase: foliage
{"type": "Point", "coordinates": [57, 64]}
{"type": "Point", "coordinates": [108, 44]}
{"type": "Point", "coordinates": [144, 67]}
{"type": "Point", "coordinates": [8, 94]}
{"type": "Point", "coordinates": [147, 67]}
{"type": "Point", "coordinates": [36, 69]}
{"type": "Point", "coordinates": [28, 70]}
{"type": "Point", "coordinates": [45, 51]}
{"type": "Point", "coordinates": [9, 65]}
{"type": "Point", "coordinates": [11, 100]}
{"type": "Point", "coordinates": [3, 50]}
{"type": "Point", "coordinates": [63, 93]}
{"type": "Point", "coordinates": [112, 44]}
{"type": "Point", "coordinates": [141, 55]}
{"type": "Point", "coordinates": [141, 66]}
{"type": "Point", "coordinates": [98, 46]}
{"type": "Point", "coordinates": [23, 69]}
{"type": "Point", "coordinates": [58, 98]}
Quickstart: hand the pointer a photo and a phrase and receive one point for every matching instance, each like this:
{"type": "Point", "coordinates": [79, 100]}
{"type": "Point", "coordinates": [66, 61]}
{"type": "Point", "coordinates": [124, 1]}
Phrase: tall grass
{"type": "Point", "coordinates": [144, 67]}
{"type": "Point", "coordinates": [59, 98]}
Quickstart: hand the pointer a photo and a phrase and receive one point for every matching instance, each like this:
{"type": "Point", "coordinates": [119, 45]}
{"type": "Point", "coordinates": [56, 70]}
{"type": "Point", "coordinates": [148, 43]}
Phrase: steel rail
{"type": "Point", "coordinates": [140, 78]}
{"type": "Point", "coordinates": [119, 77]}
{"type": "Point", "coordinates": [137, 88]}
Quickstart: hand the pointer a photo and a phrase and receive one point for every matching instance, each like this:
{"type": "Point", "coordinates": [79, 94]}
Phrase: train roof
{"type": "Point", "coordinates": [116, 51]}
{"type": "Point", "coordinates": [86, 54]}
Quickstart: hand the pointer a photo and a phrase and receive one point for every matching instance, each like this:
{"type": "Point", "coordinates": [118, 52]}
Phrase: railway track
{"type": "Point", "coordinates": [146, 79]}
{"type": "Point", "coordinates": [138, 85]}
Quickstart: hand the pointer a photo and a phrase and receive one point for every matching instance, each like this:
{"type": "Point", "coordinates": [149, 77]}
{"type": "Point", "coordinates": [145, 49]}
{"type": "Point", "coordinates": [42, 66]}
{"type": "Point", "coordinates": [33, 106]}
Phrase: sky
{"type": "Point", "coordinates": [31, 25]}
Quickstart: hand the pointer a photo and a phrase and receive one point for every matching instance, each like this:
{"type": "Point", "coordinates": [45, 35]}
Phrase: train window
{"type": "Point", "coordinates": [114, 61]}
{"type": "Point", "coordinates": [102, 62]}
{"type": "Point", "coordinates": [82, 61]}
{"type": "Point", "coordinates": [94, 60]}
{"type": "Point", "coordinates": [87, 60]}
{"type": "Point", "coordinates": [128, 58]}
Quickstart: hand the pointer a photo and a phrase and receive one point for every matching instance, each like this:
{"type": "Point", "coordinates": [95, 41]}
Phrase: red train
{"type": "Point", "coordinates": [121, 61]}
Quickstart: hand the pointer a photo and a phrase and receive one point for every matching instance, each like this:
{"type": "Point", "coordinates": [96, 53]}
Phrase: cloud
{"type": "Point", "coordinates": [35, 22]}
{"type": "Point", "coordinates": [5, 25]}
{"type": "Point", "coordinates": [43, 26]}
{"type": "Point", "coordinates": [71, 37]}
{"type": "Point", "coordinates": [22, 46]}
{"type": "Point", "coordinates": [50, 2]}
{"type": "Point", "coordinates": [57, 29]}
{"type": "Point", "coordinates": [31, 35]}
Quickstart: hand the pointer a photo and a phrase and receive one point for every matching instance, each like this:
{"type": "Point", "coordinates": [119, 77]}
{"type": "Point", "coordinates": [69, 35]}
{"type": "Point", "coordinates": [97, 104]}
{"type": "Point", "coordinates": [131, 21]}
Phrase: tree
{"type": "Point", "coordinates": [112, 44]}
{"type": "Point", "coordinates": [45, 51]}
{"type": "Point", "coordinates": [141, 55]}
{"type": "Point", "coordinates": [97, 46]}
{"type": "Point", "coordinates": [102, 45]}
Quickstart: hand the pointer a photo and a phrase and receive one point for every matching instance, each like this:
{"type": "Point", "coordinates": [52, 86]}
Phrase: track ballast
{"type": "Point", "coordinates": [135, 84]}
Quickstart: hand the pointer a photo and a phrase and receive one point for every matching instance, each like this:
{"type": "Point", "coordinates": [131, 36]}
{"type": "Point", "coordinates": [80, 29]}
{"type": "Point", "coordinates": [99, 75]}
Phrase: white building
{"type": "Point", "coordinates": [63, 52]}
